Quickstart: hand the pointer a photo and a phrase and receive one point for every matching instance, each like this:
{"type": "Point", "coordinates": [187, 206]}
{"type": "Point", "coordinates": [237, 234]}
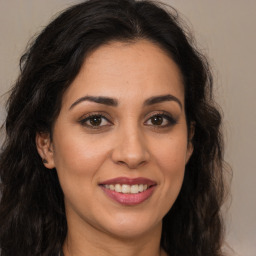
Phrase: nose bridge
{"type": "Point", "coordinates": [131, 147]}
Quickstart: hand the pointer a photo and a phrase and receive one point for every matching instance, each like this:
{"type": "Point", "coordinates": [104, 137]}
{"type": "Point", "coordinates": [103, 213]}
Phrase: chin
{"type": "Point", "coordinates": [130, 227]}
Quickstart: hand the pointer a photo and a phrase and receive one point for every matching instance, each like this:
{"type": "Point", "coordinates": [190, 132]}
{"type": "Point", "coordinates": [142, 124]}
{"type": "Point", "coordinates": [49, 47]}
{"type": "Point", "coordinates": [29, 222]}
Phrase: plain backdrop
{"type": "Point", "coordinates": [226, 32]}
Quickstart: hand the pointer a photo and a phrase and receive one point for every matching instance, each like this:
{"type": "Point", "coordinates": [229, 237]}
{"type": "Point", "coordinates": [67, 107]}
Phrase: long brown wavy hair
{"type": "Point", "coordinates": [32, 215]}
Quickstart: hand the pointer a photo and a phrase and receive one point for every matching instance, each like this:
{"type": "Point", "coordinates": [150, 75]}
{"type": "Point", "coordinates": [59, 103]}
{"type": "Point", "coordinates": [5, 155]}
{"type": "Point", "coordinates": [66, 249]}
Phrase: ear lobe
{"type": "Point", "coordinates": [190, 150]}
{"type": "Point", "coordinates": [45, 149]}
{"type": "Point", "coordinates": [190, 147]}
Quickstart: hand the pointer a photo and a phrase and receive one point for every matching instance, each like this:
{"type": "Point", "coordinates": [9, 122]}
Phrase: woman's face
{"type": "Point", "coordinates": [120, 142]}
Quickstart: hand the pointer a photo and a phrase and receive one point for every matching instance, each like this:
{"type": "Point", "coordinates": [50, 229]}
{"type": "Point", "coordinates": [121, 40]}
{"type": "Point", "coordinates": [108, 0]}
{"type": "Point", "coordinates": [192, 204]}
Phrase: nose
{"type": "Point", "coordinates": [131, 149]}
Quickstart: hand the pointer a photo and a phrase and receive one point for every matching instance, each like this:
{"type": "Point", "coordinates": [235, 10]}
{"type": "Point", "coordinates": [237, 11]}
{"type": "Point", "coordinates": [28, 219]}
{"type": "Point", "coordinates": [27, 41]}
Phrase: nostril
{"type": "Point", "coordinates": [131, 164]}
{"type": "Point", "coordinates": [121, 162]}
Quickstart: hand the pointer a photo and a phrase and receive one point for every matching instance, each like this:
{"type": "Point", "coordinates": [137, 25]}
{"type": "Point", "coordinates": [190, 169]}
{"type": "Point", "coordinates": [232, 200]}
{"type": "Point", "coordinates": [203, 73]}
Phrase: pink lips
{"type": "Point", "coordinates": [129, 199]}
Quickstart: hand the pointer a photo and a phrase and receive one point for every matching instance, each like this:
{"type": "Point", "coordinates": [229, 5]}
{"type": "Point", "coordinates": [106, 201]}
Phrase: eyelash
{"type": "Point", "coordinates": [169, 118]}
{"type": "Point", "coordinates": [90, 117]}
{"type": "Point", "coordinates": [166, 116]}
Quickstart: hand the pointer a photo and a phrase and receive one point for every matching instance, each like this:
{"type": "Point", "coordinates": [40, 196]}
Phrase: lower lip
{"type": "Point", "coordinates": [129, 199]}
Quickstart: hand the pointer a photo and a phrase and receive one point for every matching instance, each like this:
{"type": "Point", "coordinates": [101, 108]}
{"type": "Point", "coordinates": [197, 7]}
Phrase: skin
{"type": "Point", "coordinates": [127, 143]}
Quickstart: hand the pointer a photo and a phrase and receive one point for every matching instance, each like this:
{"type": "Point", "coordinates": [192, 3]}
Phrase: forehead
{"type": "Point", "coordinates": [125, 70]}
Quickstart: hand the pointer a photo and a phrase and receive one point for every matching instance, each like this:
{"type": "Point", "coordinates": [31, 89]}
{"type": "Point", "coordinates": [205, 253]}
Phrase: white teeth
{"type": "Point", "coordinates": [118, 188]}
{"type": "Point", "coordinates": [141, 188]}
{"type": "Point", "coordinates": [127, 189]}
{"type": "Point", "coordinates": [134, 189]}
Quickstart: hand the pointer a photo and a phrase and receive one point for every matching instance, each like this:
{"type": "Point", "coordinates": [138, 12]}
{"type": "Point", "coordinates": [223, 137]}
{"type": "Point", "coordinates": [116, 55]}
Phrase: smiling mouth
{"type": "Point", "coordinates": [127, 189]}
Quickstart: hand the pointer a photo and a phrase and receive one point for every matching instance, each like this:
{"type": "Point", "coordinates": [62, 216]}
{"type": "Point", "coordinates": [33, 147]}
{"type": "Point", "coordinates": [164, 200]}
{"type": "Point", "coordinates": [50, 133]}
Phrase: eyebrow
{"type": "Point", "coordinates": [113, 102]}
{"type": "Point", "coordinates": [162, 98]}
{"type": "Point", "coordinates": [101, 100]}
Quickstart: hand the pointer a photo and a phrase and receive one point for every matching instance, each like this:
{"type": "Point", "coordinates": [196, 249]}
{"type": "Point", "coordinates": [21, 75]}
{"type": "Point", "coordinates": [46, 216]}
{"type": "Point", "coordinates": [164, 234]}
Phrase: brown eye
{"type": "Point", "coordinates": [157, 120]}
{"type": "Point", "coordinates": [161, 120]}
{"type": "Point", "coordinates": [95, 120]}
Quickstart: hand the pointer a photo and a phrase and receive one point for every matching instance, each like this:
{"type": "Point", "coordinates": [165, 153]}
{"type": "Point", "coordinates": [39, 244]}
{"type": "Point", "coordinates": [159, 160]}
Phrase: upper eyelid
{"type": "Point", "coordinates": [160, 112]}
{"type": "Point", "coordinates": [92, 114]}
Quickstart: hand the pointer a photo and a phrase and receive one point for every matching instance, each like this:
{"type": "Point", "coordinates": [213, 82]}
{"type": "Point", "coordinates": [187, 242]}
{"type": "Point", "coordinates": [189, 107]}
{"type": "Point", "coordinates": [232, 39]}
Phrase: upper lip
{"type": "Point", "coordinates": [129, 181]}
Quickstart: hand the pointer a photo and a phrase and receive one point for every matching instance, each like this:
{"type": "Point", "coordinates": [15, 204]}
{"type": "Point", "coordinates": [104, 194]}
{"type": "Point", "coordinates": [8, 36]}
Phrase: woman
{"type": "Point", "coordinates": [113, 142]}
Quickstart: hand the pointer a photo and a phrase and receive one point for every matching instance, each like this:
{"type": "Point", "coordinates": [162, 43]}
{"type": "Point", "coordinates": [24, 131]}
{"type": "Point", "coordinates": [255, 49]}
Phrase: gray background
{"type": "Point", "coordinates": [225, 31]}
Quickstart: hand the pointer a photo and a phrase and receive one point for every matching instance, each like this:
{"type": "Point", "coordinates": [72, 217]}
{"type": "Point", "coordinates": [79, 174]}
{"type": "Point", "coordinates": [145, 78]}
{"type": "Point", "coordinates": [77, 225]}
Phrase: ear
{"type": "Point", "coordinates": [190, 147]}
{"type": "Point", "coordinates": [45, 149]}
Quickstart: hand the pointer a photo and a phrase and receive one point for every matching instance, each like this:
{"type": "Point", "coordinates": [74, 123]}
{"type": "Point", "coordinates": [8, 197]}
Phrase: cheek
{"type": "Point", "coordinates": [172, 164]}
{"type": "Point", "coordinates": [171, 160]}
{"type": "Point", "coordinates": [78, 152]}
{"type": "Point", "coordinates": [171, 154]}
{"type": "Point", "coordinates": [77, 160]}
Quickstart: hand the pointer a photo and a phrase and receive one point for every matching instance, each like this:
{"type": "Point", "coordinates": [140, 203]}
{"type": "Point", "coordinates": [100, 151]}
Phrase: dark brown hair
{"type": "Point", "coordinates": [32, 216]}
